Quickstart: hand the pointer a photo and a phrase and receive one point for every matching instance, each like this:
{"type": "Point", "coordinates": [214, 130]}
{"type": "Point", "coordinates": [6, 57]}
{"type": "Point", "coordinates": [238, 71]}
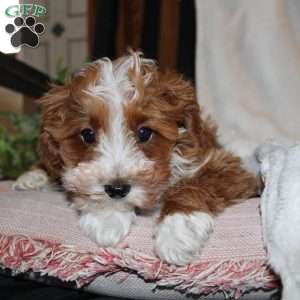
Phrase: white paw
{"type": "Point", "coordinates": [107, 227]}
{"type": "Point", "coordinates": [31, 180]}
{"type": "Point", "coordinates": [180, 237]}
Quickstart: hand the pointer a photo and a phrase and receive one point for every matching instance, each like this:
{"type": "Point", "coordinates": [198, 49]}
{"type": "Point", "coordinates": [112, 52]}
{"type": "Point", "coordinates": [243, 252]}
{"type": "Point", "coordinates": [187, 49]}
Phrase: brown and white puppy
{"type": "Point", "coordinates": [123, 135]}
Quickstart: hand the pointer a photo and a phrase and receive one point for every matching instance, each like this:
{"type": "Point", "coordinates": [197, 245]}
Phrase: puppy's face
{"type": "Point", "coordinates": [110, 134]}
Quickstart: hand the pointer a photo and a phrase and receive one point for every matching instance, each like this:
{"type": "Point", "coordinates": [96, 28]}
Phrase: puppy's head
{"type": "Point", "coordinates": [119, 129]}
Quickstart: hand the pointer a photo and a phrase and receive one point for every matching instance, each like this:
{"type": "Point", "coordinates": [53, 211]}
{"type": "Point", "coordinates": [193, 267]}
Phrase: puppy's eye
{"type": "Point", "coordinates": [144, 134]}
{"type": "Point", "coordinates": [88, 135]}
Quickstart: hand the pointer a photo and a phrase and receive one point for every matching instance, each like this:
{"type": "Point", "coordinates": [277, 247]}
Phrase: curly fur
{"type": "Point", "coordinates": [183, 166]}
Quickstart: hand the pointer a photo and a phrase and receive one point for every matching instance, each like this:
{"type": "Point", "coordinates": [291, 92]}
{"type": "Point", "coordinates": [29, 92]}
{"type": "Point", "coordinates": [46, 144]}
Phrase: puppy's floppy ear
{"type": "Point", "coordinates": [194, 130]}
{"type": "Point", "coordinates": [59, 106]}
{"type": "Point", "coordinates": [54, 111]}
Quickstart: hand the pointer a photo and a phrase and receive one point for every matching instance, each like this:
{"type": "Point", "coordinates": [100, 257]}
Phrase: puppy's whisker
{"type": "Point", "coordinates": [102, 194]}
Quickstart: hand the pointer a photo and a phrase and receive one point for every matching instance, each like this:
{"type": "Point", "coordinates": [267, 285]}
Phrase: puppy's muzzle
{"type": "Point", "coordinates": [117, 190]}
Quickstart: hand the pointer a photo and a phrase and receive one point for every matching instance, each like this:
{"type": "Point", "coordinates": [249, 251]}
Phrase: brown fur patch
{"type": "Point", "coordinates": [66, 111]}
{"type": "Point", "coordinates": [222, 182]}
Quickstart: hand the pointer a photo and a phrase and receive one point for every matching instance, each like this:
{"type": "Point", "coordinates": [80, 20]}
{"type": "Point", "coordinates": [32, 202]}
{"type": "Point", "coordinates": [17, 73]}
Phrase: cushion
{"type": "Point", "coordinates": [39, 232]}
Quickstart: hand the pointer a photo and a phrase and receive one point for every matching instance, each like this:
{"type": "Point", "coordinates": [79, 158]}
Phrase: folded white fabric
{"type": "Point", "coordinates": [248, 69]}
{"type": "Point", "coordinates": [280, 209]}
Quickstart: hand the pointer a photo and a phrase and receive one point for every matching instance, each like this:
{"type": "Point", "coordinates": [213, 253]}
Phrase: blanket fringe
{"type": "Point", "coordinates": [21, 254]}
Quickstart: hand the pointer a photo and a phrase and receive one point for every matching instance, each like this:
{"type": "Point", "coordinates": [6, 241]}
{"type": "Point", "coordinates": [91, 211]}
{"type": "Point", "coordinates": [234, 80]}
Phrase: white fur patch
{"type": "Point", "coordinates": [119, 154]}
{"type": "Point", "coordinates": [137, 196]}
{"type": "Point", "coordinates": [114, 84]}
{"type": "Point", "coordinates": [107, 227]}
{"type": "Point", "coordinates": [180, 237]}
{"type": "Point", "coordinates": [31, 180]}
{"type": "Point", "coordinates": [184, 168]}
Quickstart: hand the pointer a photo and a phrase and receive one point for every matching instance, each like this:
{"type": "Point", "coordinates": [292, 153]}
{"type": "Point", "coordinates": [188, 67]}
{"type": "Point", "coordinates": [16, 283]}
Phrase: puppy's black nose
{"type": "Point", "coordinates": [117, 190]}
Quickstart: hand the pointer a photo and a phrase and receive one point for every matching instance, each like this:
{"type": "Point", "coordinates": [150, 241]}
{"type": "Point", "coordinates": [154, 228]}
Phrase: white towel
{"type": "Point", "coordinates": [248, 69]}
{"type": "Point", "coordinates": [280, 209]}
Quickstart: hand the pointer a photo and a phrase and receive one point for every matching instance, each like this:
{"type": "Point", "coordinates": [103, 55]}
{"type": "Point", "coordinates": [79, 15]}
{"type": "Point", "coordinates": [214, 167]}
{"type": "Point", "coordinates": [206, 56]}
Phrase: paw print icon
{"type": "Point", "coordinates": [25, 32]}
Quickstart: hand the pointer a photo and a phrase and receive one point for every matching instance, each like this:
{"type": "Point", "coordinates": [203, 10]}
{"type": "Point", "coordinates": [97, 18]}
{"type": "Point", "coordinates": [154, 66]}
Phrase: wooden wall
{"type": "Point", "coordinates": [162, 29]}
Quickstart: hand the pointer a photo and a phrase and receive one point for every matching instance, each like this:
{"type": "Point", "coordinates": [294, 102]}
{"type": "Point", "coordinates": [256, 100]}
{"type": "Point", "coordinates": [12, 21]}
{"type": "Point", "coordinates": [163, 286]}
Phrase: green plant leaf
{"type": "Point", "coordinates": [18, 149]}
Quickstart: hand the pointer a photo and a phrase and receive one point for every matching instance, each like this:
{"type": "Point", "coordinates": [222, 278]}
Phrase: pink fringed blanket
{"type": "Point", "coordinates": [39, 232]}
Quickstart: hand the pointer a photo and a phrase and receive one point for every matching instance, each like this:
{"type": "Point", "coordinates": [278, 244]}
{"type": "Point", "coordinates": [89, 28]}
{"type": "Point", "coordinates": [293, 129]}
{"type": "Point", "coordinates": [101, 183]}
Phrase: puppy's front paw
{"type": "Point", "coordinates": [180, 237]}
{"type": "Point", "coordinates": [31, 180]}
{"type": "Point", "coordinates": [107, 228]}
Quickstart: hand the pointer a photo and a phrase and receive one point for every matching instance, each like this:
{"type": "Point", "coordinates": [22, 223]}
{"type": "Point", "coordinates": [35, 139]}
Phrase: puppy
{"type": "Point", "coordinates": [123, 135]}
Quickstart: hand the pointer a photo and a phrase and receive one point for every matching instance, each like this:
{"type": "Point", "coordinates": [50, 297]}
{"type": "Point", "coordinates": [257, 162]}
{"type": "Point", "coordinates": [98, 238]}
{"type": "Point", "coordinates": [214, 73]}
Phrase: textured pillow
{"type": "Point", "coordinates": [39, 232]}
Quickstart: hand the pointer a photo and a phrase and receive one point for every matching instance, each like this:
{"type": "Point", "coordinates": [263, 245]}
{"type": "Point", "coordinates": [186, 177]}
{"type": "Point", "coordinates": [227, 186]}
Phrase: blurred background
{"type": "Point", "coordinates": [76, 32]}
